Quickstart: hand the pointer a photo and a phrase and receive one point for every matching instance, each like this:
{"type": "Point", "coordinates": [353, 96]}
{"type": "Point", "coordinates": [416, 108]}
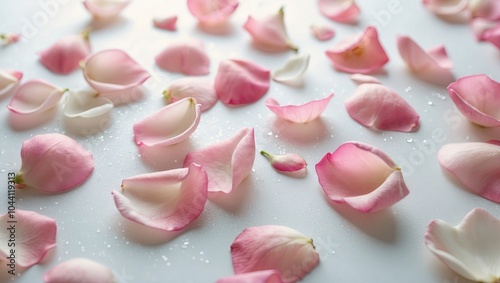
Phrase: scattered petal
{"type": "Point", "coordinates": [187, 57]}
{"type": "Point", "coordinates": [342, 11]}
{"type": "Point", "coordinates": [9, 38]}
{"type": "Point", "coordinates": [486, 9]}
{"type": "Point", "coordinates": [9, 80]}
{"type": "Point", "coordinates": [480, 26]}
{"type": "Point", "coordinates": [86, 104]}
{"type": "Point", "coordinates": [65, 55]}
{"type": "Point", "coordinates": [364, 79]}
{"type": "Point", "coordinates": [262, 276]}
{"type": "Point", "coordinates": [362, 176]}
{"type": "Point", "coordinates": [447, 7]}
{"type": "Point", "coordinates": [166, 23]}
{"type": "Point", "coordinates": [201, 89]}
{"type": "Point", "coordinates": [493, 36]}
{"type": "Point", "coordinates": [35, 96]}
{"type": "Point", "coordinates": [212, 12]}
{"type": "Point", "coordinates": [299, 113]}
{"type": "Point", "coordinates": [322, 32]}
{"type": "Point", "coordinates": [78, 270]}
{"type": "Point", "coordinates": [287, 163]}
{"type": "Point", "coordinates": [293, 69]}
{"type": "Point", "coordinates": [105, 8]}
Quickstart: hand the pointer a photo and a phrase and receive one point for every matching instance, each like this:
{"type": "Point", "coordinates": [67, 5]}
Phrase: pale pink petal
{"type": "Point", "coordinates": [470, 248]}
{"type": "Point", "coordinates": [105, 8]}
{"type": "Point", "coordinates": [446, 7]}
{"type": "Point", "coordinates": [54, 163]}
{"type": "Point", "coordinates": [269, 33]}
{"type": "Point", "coordinates": [476, 165]}
{"type": "Point", "coordinates": [262, 276]}
{"type": "Point", "coordinates": [241, 82]}
{"type": "Point", "coordinates": [486, 9]}
{"type": "Point", "coordinates": [343, 11]}
{"type": "Point", "coordinates": [364, 79]}
{"type": "Point", "coordinates": [166, 23]}
{"type": "Point", "coordinates": [493, 36]}
{"type": "Point", "coordinates": [86, 104]}
{"type": "Point", "coordinates": [8, 38]}
{"type": "Point", "coordinates": [478, 98]}
{"type": "Point", "coordinates": [35, 96]}
{"type": "Point", "coordinates": [381, 108]}
{"type": "Point", "coordinates": [9, 80]}
{"type": "Point", "coordinates": [188, 57]}
{"type": "Point", "coordinates": [79, 270]}
{"type": "Point", "coordinates": [201, 89]}
{"type": "Point", "coordinates": [274, 247]}
{"type": "Point", "coordinates": [113, 70]}
{"type": "Point", "coordinates": [322, 32]}
{"type": "Point", "coordinates": [227, 162]}
{"type": "Point", "coordinates": [480, 26]}
{"type": "Point", "coordinates": [361, 53]}
{"type": "Point", "coordinates": [290, 162]}
{"type": "Point", "coordinates": [212, 12]}
{"type": "Point", "coordinates": [167, 200]}
{"type": "Point", "coordinates": [35, 235]}
{"type": "Point", "coordinates": [293, 70]}
{"type": "Point", "coordinates": [65, 55]}
{"type": "Point", "coordinates": [169, 125]}
{"type": "Point", "coordinates": [362, 176]}
{"type": "Point", "coordinates": [299, 113]}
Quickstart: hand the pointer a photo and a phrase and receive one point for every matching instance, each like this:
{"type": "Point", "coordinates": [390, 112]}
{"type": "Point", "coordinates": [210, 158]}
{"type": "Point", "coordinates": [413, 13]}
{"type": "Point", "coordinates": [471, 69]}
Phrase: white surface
{"type": "Point", "coordinates": [381, 247]}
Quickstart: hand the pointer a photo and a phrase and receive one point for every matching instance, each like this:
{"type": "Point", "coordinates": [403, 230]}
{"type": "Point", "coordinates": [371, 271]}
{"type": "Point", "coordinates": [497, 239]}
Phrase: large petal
{"type": "Point", "coordinates": [299, 113]}
{"type": "Point", "coordinates": [381, 108]}
{"type": "Point", "coordinates": [79, 270]}
{"type": "Point", "coordinates": [86, 104]}
{"type": "Point", "coordinates": [262, 276]}
{"type": "Point", "coordinates": [167, 200]}
{"type": "Point", "coordinates": [274, 247]}
{"type": "Point", "coordinates": [201, 89]}
{"type": "Point", "coordinates": [471, 248]}
{"type": "Point", "coordinates": [227, 162]}
{"type": "Point", "coordinates": [9, 80]}
{"type": "Point", "coordinates": [362, 176]}
{"type": "Point", "coordinates": [65, 55]}
{"type": "Point", "coordinates": [343, 11]}
{"type": "Point", "coordinates": [293, 69]}
{"type": "Point", "coordinates": [35, 96]}
{"type": "Point", "coordinates": [418, 60]}
{"type": "Point", "coordinates": [169, 125]}
{"type": "Point", "coordinates": [212, 12]}
{"type": "Point", "coordinates": [187, 57]}
{"type": "Point", "coordinates": [105, 8]}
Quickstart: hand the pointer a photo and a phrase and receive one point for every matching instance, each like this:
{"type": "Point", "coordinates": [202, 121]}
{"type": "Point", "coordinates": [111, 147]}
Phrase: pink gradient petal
{"type": "Point", "coordinates": [446, 7]}
{"type": "Point", "coordinates": [476, 165]}
{"type": "Point", "coordinates": [227, 162]}
{"type": "Point", "coordinates": [343, 11]}
{"type": "Point", "coordinates": [290, 162]}
{"type": "Point", "coordinates": [362, 176]}
{"type": "Point", "coordinates": [361, 53]}
{"type": "Point", "coordinates": [78, 270]}
{"type": "Point", "coordinates": [263, 276]}
{"type": "Point", "coordinates": [65, 55]}
{"type": "Point", "coordinates": [381, 108]}
{"type": "Point", "coordinates": [105, 8]}
{"type": "Point", "coordinates": [54, 163]}
{"type": "Point", "coordinates": [486, 9]}
{"type": "Point", "coordinates": [113, 70]}
{"type": "Point", "coordinates": [201, 89]}
{"type": "Point", "coordinates": [322, 32]}
{"type": "Point", "coordinates": [166, 23]}
{"type": "Point", "coordinates": [299, 113]}
{"type": "Point", "coordinates": [478, 98]}
{"type": "Point", "coordinates": [167, 200]}
{"type": "Point", "coordinates": [35, 96]}
{"type": "Point", "coordinates": [364, 79]}
{"type": "Point", "coordinates": [274, 247]}
{"type": "Point", "coordinates": [480, 26]}
{"type": "Point", "coordinates": [9, 38]}
{"type": "Point", "coordinates": [241, 82]}
{"type": "Point", "coordinates": [169, 125]}
{"type": "Point", "coordinates": [493, 36]}
{"type": "Point", "coordinates": [212, 12]}
{"type": "Point", "coordinates": [187, 57]}
{"type": "Point", "coordinates": [35, 236]}
{"type": "Point", "coordinates": [9, 80]}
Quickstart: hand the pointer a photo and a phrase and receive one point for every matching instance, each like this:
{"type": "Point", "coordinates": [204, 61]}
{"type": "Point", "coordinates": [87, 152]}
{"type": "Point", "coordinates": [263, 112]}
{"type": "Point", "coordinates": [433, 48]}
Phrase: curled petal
{"type": "Point", "coordinates": [322, 32]}
{"type": "Point", "coordinates": [274, 247]}
{"type": "Point", "coordinates": [65, 55]}
{"type": "Point", "coordinates": [78, 270]}
{"type": "Point", "coordinates": [187, 57]}
{"type": "Point", "coordinates": [446, 7]}
{"type": "Point", "coordinates": [381, 108]}
{"type": "Point", "coordinates": [493, 36]}
{"type": "Point", "coordinates": [35, 236]}
{"type": "Point", "coordinates": [9, 80]}
{"type": "Point", "coordinates": [241, 82]}
{"type": "Point", "coordinates": [486, 9]}
{"type": "Point", "coordinates": [86, 104]}
{"type": "Point", "coordinates": [293, 69]}
{"type": "Point", "coordinates": [35, 96]}
{"type": "Point", "coordinates": [481, 26]}
{"type": "Point", "coordinates": [167, 200]}
{"type": "Point", "coordinates": [361, 53]}
{"type": "Point", "coordinates": [169, 125]}
{"type": "Point", "coordinates": [212, 12]}
{"type": "Point", "coordinates": [343, 11]}
{"type": "Point", "coordinates": [166, 23]}
{"type": "Point", "coordinates": [228, 162]}
{"type": "Point", "coordinates": [469, 248]}
{"type": "Point", "coordinates": [362, 176]}
{"type": "Point", "coordinates": [262, 276]}
{"type": "Point", "coordinates": [105, 8]}
{"type": "Point", "coordinates": [299, 113]}
{"type": "Point", "coordinates": [364, 79]}
{"type": "Point", "coordinates": [201, 89]}
{"type": "Point", "coordinates": [290, 162]}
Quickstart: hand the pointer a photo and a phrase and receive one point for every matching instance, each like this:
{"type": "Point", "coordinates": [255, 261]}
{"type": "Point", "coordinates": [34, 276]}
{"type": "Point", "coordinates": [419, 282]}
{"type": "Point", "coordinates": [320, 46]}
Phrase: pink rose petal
{"type": "Point", "coordinates": [35, 236]}
{"type": "Point", "coordinates": [287, 163]}
{"type": "Point", "coordinates": [201, 89]}
{"type": "Point", "coordinates": [447, 7]}
{"type": "Point", "coordinates": [343, 11]}
{"type": "Point", "coordinates": [322, 32]}
{"type": "Point", "coordinates": [274, 247]}
{"type": "Point", "coordinates": [166, 23]}
{"type": "Point", "coordinates": [227, 162]}
{"type": "Point", "coordinates": [364, 79]}
{"type": "Point", "coordinates": [35, 96]}
{"type": "Point", "coordinates": [480, 26]}
{"type": "Point", "coordinates": [9, 80]}
{"type": "Point", "coordinates": [65, 55]}
{"type": "Point", "coordinates": [105, 8]}
{"type": "Point", "coordinates": [299, 113]}
{"type": "Point", "coordinates": [169, 125]}
{"type": "Point", "coordinates": [493, 36]}
{"type": "Point", "coordinates": [187, 57]}
{"type": "Point", "coordinates": [263, 276]}
{"type": "Point", "coordinates": [212, 12]}
{"type": "Point", "coordinates": [486, 9]}
{"type": "Point", "coordinates": [167, 200]}
{"type": "Point", "coordinates": [381, 108]}
{"type": "Point", "coordinates": [9, 38]}
{"type": "Point", "coordinates": [241, 82]}
{"type": "Point", "coordinates": [78, 270]}
{"type": "Point", "coordinates": [359, 54]}
{"type": "Point", "coordinates": [362, 176]}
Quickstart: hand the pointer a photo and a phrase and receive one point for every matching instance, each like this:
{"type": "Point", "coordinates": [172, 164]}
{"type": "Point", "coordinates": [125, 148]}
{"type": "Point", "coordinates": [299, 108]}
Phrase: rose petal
{"type": "Point", "coordinates": [212, 12]}
{"type": "Point", "coordinates": [359, 54]}
{"type": "Point", "coordinates": [35, 235]}
{"type": "Point", "coordinates": [322, 32]}
{"type": "Point", "coordinates": [446, 7]}
{"type": "Point", "coordinates": [35, 96]}
{"type": "Point", "coordinates": [227, 162]}
{"type": "Point", "coordinates": [381, 108]}
{"type": "Point", "coordinates": [290, 162]}
{"type": "Point", "coordinates": [167, 200]}
{"type": "Point", "coordinates": [274, 247]}
{"type": "Point", "coordinates": [493, 36]}
{"type": "Point", "coordinates": [8, 38]}
{"type": "Point", "coordinates": [480, 26]}
{"type": "Point", "coordinates": [78, 270]}
{"type": "Point", "coordinates": [362, 176]}
{"type": "Point", "coordinates": [343, 11]}
{"type": "Point", "coordinates": [293, 69]}
{"type": "Point", "coordinates": [187, 57]}
{"type": "Point", "coordinates": [9, 80]}
{"type": "Point", "coordinates": [241, 82]}
{"type": "Point", "coordinates": [105, 8]}
{"type": "Point", "coordinates": [486, 9]}
{"type": "Point", "coordinates": [469, 249]}
{"type": "Point", "coordinates": [263, 276]}
{"type": "Point", "coordinates": [201, 89]}
{"type": "Point", "coordinates": [364, 79]}
{"type": "Point", "coordinates": [65, 55]}
{"type": "Point", "coordinates": [299, 113]}
{"type": "Point", "coordinates": [86, 104]}
{"type": "Point", "coordinates": [166, 23]}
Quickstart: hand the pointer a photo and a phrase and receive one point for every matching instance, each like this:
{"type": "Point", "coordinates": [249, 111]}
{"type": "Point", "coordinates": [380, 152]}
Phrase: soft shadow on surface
{"type": "Point", "coordinates": [96, 24]}
{"type": "Point", "coordinates": [443, 272]}
{"type": "Point", "coordinates": [166, 157]}
{"type": "Point", "coordinates": [481, 133]}
{"type": "Point", "coordinates": [20, 122]}
{"type": "Point", "coordinates": [127, 96]}
{"type": "Point", "coordinates": [235, 201]}
{"type": "Point", "coordinates": [441, 79]}
{"type": "Point", "coordinates": [300, 133]}
{"type": "Point", "coordinates": [223, 29]}
{"type": "Point", "coordinates": [86, 126]}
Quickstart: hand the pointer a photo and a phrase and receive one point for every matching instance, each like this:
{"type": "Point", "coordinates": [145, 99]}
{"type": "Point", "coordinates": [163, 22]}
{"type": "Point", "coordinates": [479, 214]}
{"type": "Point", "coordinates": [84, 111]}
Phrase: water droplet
{"type": "Point", "coordinates": [98, 231]}
{"type": "Point", "coordinates": [270, 133]}
{"type": "Point", "coordinates": [109, 246]}
{"type": "Point", "coordinates": [168, 264]}
{"type": "Point", "coordinates": [201, 253]}
{"type": "Point", "coordinates": [207, 261]}
{"type": "Point", "coordinates": [409, 140]}
{"type": "Point", "coordinates": [430, 103]}
{"type": "Point", "coordinates": [408, 89]}
{"type": "Point", "coordinates": [164, 258]}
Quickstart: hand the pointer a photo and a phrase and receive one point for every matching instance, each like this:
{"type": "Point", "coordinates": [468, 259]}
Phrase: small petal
{"type": "Point", "coordinates": [9, 38]}
{"type": "Point", "coordinates": [322, 32]}
{"type": "Point", "coordinates": [241, 82]}
{"type": "Point", "coordinates": [471, 248]}
{"type": "Point", "coordinates": [364, 79]}
{"type": "Point", "coordinates": [201, 89]}
{"type": "Point", "coordinates": [9, 80]}
{"type": "Point", "coordinates": [485, 9]}
{"type": "Point", "coordinates": [169, 125]}
{"type": "Point", "coordinates": [35, 96]}
{"type": "Point", "coordinates": [480, 26]}
{"type": "Point", "coordinates": [343, 11]}
{"type": "Point", "coordinates": [263, 276]}
{"type": "Point", "coordinates": [293, 69]}
{"type": "Point", "coordinates": [228, 162]}
{"type": "Point", "coordinates": [105, 8]}
{"type": "Point", "coordinates": [290, 162]}
{"type": "Point", "coordinates": [274, 247]}
{"type": "Point", "coordinates": [446, 7]}
{"type": "Point", "coordinates": [212, 12]}
{"type": "Point", "coordinates": [187, 57]}
{"type": "Point", "coordinates": [86, 104]}
{"type": "Point", "coordinates": [167, 200]}
{"type": "Point", "coordinates": [493, 36]}
{"type": "Point", "coordinates": [166, 23]}
{"type": "Point", "coordinates": [78, 270]}
{"type": "Point", "coordinates": [359, 54]}
{"type": "Point", "coordinates": [381, 108]}
{"type": "Point", "coordinates": [35, 236]}
{"type": "Point", "coordinates": [362, 176]}
{"type": "Point", "coordinates": [65, 55]}
{"type": "Point", "coordinates": [299, 113]}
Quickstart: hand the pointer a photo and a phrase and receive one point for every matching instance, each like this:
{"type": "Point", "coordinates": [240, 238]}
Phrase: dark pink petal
{"type": "Point", "coordinates": [364, 79]}
{"type": "Point", "coordinates": [187, 57]}
{"type": "Point", "coordinates": [212, 12]}
{"type": "Point", "coordinates": [447, 7]}
{"type": "Point", "coordinates": [79, 270]}
{"type": "Point", "coordinates": [65, 55]}
{"type": "Point", "coordinates": [290, 162]}
{"type": "Point", "coordinates": [343, 11]}
{"type": "Point", "coordinates": [493, 36]}
{"type": "Point", "coordinates": [480, 26]}
{"type": "Point", "coordinates": [9, 80]}
{"type": "Point", "coordinates": [263, 276]}
{"type": "Point", "coordinates": [322, 32]}
{"type": "Point", "coordinates": [35, 236]}
{"type": "Point", "coordinates": [361, 53]}
{"type": "Point", "coordinates": [274, 247]}
{"type": "Point", "coordinates": [35, 96]}
{"type": "Point", "coordinates": [105, 8]}
{"type": "Point", "coordinates": [241, 82]}
{"type": "Point", "coordinates": [201, 89]}
{"type": "Point", "coordinates": [486, 9]}
{"type": "Point", "coordinates": [362, 176]}
{"type": "Point", "coordinates": [167, 23]}
{"type": "Point", "coordinates": [167, 200]}
{"type": "Point", "coordinates": [299, 113]}
{"type": "Point", "coordinates": [227, 162]}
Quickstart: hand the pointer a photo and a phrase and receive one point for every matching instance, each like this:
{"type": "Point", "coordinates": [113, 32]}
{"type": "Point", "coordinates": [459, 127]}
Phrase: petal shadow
{"type": "Point", "coordinates": [300, 133]}
{"type": "Point", "coordinates": [166, 157]}
{"type": "Point", "coordinates": [235, 201]}
{"type": "Point", "coordinates": [223, 29]}
{"type": "Point", "coordinates": [126, 96]}
{"type": "Point", "coordinates": [86, 126]}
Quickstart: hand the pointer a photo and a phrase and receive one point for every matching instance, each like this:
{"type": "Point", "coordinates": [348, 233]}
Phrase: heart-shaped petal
{"type": "Point", "coordinates": [212, 12]}
{"type": "Point", "coordinates": [322, 32]}
{"type": "Point", "coordinates": [9, 80]}
{"type": "Point", "coordinates": [35, 96]}
{"type": "Point", "coordinates": [343, 11]}
{"type": "Point", "coordinates": [262, 276]}
{"type": "Point", "coordinates": [299, 113]}
{"type": "Point", "coordinates": [186, 57]}
{"type": "Point", "coordinates": [293, 69]}
{"type": "Point", "coordinates": [201, 89]}
{"type": "Point", "coordinates": [105, 9]}
{"type": "Point", "coordinates": [86, 104]}
{"type": "Point", "coordinates": [78, 270]}
{"type": "Point", "coordinates": [65, 55]}
{"type": "Point", "coordinates": [166, 23]}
